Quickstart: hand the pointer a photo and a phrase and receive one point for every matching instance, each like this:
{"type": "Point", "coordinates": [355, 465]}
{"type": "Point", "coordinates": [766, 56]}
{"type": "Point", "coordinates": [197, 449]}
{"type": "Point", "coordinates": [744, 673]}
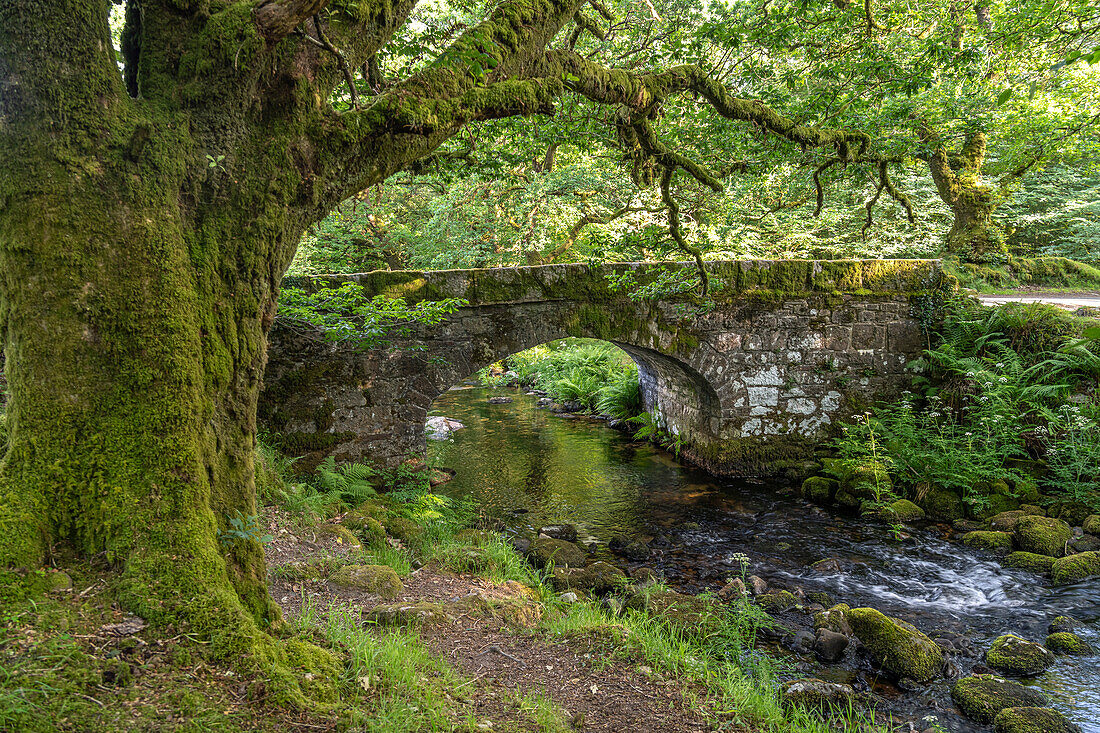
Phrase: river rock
{"type": "Point", "coordinates": [630, 549]}
{"type": "Point", "coordinates": [566, 532]}
{"type": "Point", "coordinates": [544, 403]}
{"type": "Point", "coordinates": [645, 576]}
{"type": "Point", "coordinates": [1033, 720]}
{"type": "Point", "coordinates": [759, 585]}
{"type": "Point", "coordinates": [1042, 535]}
{"type": "Point", "coordinates": [438, 427]}
{"type": "Point", "coordinates": [830, 646]}
{"type": "Point", "coordinates": [1067, 642]}
{"type": "Point", "coordinates": [814, 694]}
{"type": "Point", "coordinates": [777, 601]}
{"type": "Point", "coordinates": [1017, 657]}
{"type": "Point", "coordinates": [800, 642]}
{"type": "Point", "coordinates": [1075, 567]}
{"type": "Point", "coordinates": [835, 619]}
{"type": "Point", "coordinates": [598, 578]}
{"type": "Point", "coordinates": [943, 505]}
{"type": "Point", "coordinates": [1091, 525]}
{"type": "Point", "coordinates": [499, 400]}
{"type": "Point", "coordinates": [819, 489]}
{"type": "Point", "coordinates": [546, 550]}
{"type": "Point", "coordinates": [997, 542]}
{"type": "Point", "coordinates": [733, 590]}
{"type": "Point", "coordinates": [819, 597]}
{"type": "Point", "coordinates": [1085, 543]}
{"type": "Point", "coordinates": [1029, 561]}
{"type": "Point", "coordinates": [1062, 623]}
{"type": "Point", "coordinates": [903, 510]}
{"type": "Point", "coordinates": [1006, 521]}
{"type": "Point", "coordinates": [981, 698]}
{"type": "Point", "coordinates": [380, 579]}
{"type": "Point", "coordinates": [827, 566]}
{"type": "Point", "coordinates": [899, 648]}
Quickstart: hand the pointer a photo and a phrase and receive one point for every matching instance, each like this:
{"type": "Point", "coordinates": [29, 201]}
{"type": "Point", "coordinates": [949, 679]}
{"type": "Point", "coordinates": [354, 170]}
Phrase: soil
{"type": "Point", "coordinates": [504, 663]}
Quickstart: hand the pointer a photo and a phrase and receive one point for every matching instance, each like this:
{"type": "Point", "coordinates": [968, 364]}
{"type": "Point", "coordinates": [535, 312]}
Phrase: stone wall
{"type": "Point", "coordinates": [750, 386]}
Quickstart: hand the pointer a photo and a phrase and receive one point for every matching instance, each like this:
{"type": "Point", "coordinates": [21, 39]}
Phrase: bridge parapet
{"type": "Point", "coordinates": [751, 385]}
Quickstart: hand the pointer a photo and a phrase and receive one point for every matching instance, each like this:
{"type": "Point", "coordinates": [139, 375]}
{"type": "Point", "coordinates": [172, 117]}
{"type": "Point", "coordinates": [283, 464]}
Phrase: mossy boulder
{"type": "Point", "coordinates": [598, 578]}
{"type": "Point", "coordinates": [777, 601]}
{"type": "Point", "coordinates": [372, 533]}
{"type": "Point", "coordinates": [903, 510]}
{"type": "Point", "coordinates": [342, 534]}
{"type": "Point", "coordinates": [403, 529]}
{"type": "Point", "coordinates": [546, 550]}
{"type": "Point", "coordinates": [1092, 524]}
{"type": "Point", "coordinates": [982, 697]}
{"type": "Point", "coordinates": [1029, 561]}
{"type": "Point", "coordinates": [1067, 642]}
{"type": "Point", "coordinates": [380, 579]}
{"type": "Point", "coordinates": [834, 619]}
{"type": "Point", "coordinates": [697, 616]}
{"type": "Point", "coordinates": [943, 505]}
{"type": "Point", "coordinates": [818, 695]}
{"type": "Point", "coordinates": [996, 542]}
{"type": "Point", "coordinates": [993, 505]}
{"type": "Point", "coordinates": [1033, 720]}
{"type": "Point", "coordinates": [867, 479]}
{"type": "Point", "coordinates": [1062, 623]}
{"type": "Point", "coordinates": [1042, 535]}
{"type": "Point", "coordinates": [819, 489]}
{"type": "Point", "coordinates": [1014, 656]}
{"type": "Point", "coordinates": [1075, 567]}
{"type": "Point", "coordinates": [1005, 521]}
{"type": "Point", "coordinates": [899, 648]}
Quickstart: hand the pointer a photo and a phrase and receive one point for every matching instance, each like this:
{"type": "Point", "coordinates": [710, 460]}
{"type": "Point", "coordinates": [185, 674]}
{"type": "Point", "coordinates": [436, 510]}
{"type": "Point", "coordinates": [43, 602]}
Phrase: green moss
{"type": "Point", "coordinates": [981, 698]}
{"type": "Point", "coordinates": [1075, 568]}
{"type": "Point", "coordinates": [899, 648]}
{"type": "Point", "coordinates": [372, 533]}
{"type": "Point", "coordinates": [820, 489]}
{"type": "Point", "coordinates": [998, 542]}
{"type": "Point", "coordinates": [1091, 525]}
{"type": "Point", "coordinates": [598, 578]}
{"type": "Point", "coordinates": [1033, 720]}
{"type": "Point", "coordinates": [342, 534]}
{"type": "Point", "coordinates": [1029, 561]}
{"type": "Point", "coordinates": [380, 579]}
{"type": "Point", "coordinates": [318, 670]}
{"type": "Point", "coordinates": [546, 550]}
{"type": "Point", "coordinates": [1042, 535]}
{"type": "Point", "coordinates": [403, 529]}
{"type": "Point", "coordinates": [942, 505]}
{"type": "Point", "coordinates": [903, 510]}
{"type": "Point", "coordinates": [1017, 657]}
{"type": "Point", "coordinates": [1067, 642]}
{"type": "Point", "coordinates": [768, 455]}
{"type": "Point", "coordinates": [777, 601]}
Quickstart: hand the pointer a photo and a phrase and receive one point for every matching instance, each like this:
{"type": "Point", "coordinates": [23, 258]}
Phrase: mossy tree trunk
{"type": "Point", "coordinates": [974, 235]}
{"type": "Point", "coordinates": [146, 219]}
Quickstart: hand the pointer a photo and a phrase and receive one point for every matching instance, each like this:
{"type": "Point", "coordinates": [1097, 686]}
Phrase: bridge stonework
{"type": "Point", "coordinates": [751, 386]}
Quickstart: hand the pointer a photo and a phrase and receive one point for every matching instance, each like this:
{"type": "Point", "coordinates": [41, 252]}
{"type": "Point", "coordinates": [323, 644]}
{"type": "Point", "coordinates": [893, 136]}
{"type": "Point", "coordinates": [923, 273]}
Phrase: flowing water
{"type": "Point", "coordinates": [530, 468]}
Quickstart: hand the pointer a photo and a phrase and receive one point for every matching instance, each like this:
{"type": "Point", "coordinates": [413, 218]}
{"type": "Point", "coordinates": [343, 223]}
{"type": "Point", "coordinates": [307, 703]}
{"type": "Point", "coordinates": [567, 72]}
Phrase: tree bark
{"type": "Point", "coordinates": [974, 236]}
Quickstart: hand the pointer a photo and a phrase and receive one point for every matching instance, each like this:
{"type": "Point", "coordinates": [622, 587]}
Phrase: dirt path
{"type": "Point", "coordinates": [505, 657]}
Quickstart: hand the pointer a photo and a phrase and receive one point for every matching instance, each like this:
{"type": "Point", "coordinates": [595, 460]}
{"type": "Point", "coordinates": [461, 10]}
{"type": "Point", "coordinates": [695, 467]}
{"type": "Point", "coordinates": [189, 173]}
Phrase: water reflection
{"type": "Point", "coordinates": [560, 469]}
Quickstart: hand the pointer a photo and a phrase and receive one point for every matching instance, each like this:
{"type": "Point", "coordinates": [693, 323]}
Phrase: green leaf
{"type": "Point", "coordinates": [1092, 333]}
{"type": "Point", "coordinates": [1004, 97]}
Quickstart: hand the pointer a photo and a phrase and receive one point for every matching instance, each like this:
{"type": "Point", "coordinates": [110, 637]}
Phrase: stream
{"type": "Point", "coordinates": [530, 467]}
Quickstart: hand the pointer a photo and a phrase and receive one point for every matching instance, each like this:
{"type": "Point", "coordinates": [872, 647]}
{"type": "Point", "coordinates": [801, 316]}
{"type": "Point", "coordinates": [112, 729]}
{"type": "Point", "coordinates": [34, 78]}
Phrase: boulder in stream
{"type": "Point", "coordinates": [566, 532]}
{"type": "Point", "coordinates": [819, 489]}
{"type": "Point", "coordinates": [903, 510]}
{"type": "Point", "coordinates": [997, 542]}
{"type": "Point", "coordinates": [982, 697]}
{"type": "Point", "coordinates": [1075, 567]}
{"type": "Point", "coordinates": [1067, 642]}
{"type": "Point", "coordinates": [546, 550]}
{"type": "Point", "coordinates": [1017, 657]}
{"type": "Point", "coordinates": [829, 646]}
{"type": "Point", "coordinates": [899, 648]}
{"type": "Point", "coordinates": [1033, 720]}
{"type": "Point", "coordinates": [1029, 561]}
{"type": "Point", "coordinates": [1042, 535]}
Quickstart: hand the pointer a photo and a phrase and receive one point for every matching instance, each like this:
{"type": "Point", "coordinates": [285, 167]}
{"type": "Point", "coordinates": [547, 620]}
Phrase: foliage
{"type": "Point", "coordinates": [594, 373]}
{"type": "Point", "coordinates": [1007, 386]}
{"type": "Point", "coordinates": [242, 528]}
{"type": "Point", "coordinates": [346, 314]}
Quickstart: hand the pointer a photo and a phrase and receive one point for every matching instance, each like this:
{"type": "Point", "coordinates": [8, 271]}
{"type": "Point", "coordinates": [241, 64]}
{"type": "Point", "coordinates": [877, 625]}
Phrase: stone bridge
{"type": "Point", "coordinates": [751, 385]}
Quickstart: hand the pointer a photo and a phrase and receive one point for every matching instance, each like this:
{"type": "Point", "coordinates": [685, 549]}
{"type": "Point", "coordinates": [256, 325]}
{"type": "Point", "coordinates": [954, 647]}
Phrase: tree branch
{"type": "Point", "coordinates": [277, 19]}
